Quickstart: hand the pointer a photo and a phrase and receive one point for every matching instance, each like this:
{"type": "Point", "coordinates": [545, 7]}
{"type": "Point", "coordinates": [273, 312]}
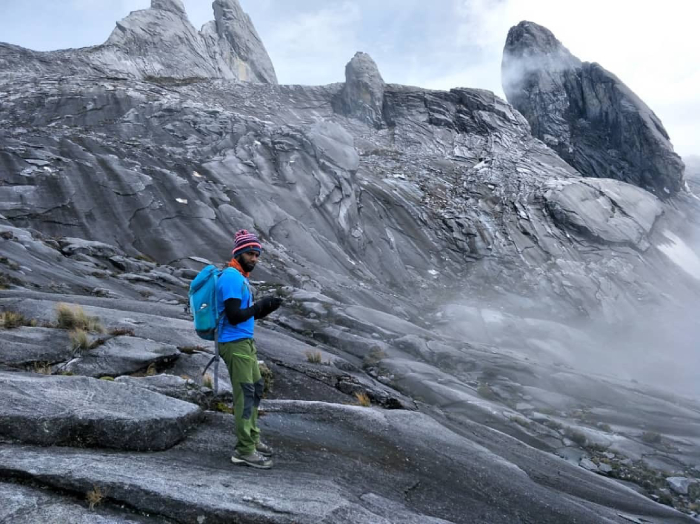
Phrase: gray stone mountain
{"type": "Point", "coordinates": [586, 114]}
{"type": "Point", "coordinates": [502, 314]}
{"type": "Point", "coordinates": [160, 42]}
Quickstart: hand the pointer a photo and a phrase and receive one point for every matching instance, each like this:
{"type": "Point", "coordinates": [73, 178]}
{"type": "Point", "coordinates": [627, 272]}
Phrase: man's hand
{"type": "Point", "coordinates": [267, 305]}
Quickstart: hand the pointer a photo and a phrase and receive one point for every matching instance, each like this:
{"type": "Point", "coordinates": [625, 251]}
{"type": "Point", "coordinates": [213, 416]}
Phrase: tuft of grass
{"type": "Point", "coordinates": [651, 437]}
{"type": "Point", "coordinates": [79, 340]}
{"type": "Point", "coordinates": [553, 424]}
{"type": "Point", "coordinates": [313, 357]}
{"type": "Point", "coordinates": [107, 378]}
{"type": "Point", "coordinates": [74, 317]}
{"type": "Point", "coordinates": [485, 391]}
{"type": "Point", "coordinates": [144, 258]}
{"type": "Point", "coordinates": [151, 369]}
{"type": "Point", "coordinates": [373, 358]}
{"type": "Point", "coordinates": [597, 447]}
{"type": "Point", "coordinates": [268, 379]}
{"type": "Point", "coordinates": [8, 280]}
{"type": "Point", "coordinates": [223, 408]}
{"type": "Point", "coordinates": [43, 368]}
{"type": "Point", "coordinates": [98, 342]}
{"type": "Point", "coordinates": [576, 436]}
{"type": "Point", "coordinates": [12, 319]}
{"type": "Point", "coordinates": [118, 332]}
{"type": "Point", "coordinates": [95, 496]}
{"type": "Point", "coordinates": [521, 421]}
{"type": "Point", "coordinates": [363, 399]}
{"type": "Point", "coordinates": [208, 381]}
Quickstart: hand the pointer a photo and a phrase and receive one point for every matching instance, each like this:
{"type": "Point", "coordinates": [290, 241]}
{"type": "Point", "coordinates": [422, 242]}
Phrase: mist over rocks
{"type": "Point", "coordinates": [586, 114]}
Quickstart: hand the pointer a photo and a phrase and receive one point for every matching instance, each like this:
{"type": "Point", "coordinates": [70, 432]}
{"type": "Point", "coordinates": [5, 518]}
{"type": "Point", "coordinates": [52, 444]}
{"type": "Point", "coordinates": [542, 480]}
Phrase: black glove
{"type": "Point", "coordinates": [267, 305]}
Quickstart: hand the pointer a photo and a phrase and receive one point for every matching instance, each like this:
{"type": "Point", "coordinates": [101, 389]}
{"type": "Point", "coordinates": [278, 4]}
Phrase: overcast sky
{"type": "Point", "coordinates": [651, 46]}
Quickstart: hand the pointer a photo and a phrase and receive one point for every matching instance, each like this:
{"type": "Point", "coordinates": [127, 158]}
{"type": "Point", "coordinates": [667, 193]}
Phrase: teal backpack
{"type": "Point", "coordinates": [204, 307]}
{"type": "Point", "coordinates": [203, 304]}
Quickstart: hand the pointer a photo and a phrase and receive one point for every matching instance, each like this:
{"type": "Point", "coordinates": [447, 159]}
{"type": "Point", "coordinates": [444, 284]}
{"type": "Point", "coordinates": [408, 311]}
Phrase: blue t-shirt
{"type": "Point", "coordinates": [232, 284]}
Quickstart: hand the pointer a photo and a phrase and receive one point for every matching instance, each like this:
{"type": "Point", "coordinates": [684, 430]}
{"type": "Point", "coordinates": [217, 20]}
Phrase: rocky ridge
{"type": "Point", "coordinates": [160, 42]}
{"type": "Point", "coordinates": [434, 257]}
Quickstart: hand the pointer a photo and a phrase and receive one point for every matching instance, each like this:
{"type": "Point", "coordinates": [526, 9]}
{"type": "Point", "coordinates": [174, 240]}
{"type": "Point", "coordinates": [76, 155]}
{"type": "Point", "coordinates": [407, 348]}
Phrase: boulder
{"type": "Point", "coordinates": [679, 484]}
{"type": "Point", "coordinates": [586, 114]}
{"type": "Point", "coordinates": [171, 386]}
{"type": "Point", "coordinates": [120, 356]}
{"type": "Point", "coordinates": [80, 411]}
{"type": "Point", "coordinates": [28, 345]}
{"type": "Point", "coordinates": [604, 209]}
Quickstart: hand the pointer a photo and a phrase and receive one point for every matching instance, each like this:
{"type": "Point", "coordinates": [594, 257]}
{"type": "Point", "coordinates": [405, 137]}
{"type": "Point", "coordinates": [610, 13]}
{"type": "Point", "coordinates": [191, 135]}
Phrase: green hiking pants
{"type": "Point", "coordinates": [241, 359]}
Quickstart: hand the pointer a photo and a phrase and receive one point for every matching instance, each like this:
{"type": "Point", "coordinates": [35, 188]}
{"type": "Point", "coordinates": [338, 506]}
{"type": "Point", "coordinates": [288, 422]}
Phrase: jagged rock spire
{"type": "Point", "coordinates": [585, 113]}
{"type": "Point", "coordinates": [161, 42]}
{"type": "Point", "coordinates": [174, 6]}
{"type": "Point", "coordinates": [235, 27]}
{"type": "Point", "coordinates": [362, 96]}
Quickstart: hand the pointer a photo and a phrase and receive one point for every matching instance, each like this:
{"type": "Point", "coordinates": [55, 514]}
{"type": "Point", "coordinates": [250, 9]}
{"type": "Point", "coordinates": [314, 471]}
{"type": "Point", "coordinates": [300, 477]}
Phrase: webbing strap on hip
{"type": "Point", "coordinates": [215, 358]}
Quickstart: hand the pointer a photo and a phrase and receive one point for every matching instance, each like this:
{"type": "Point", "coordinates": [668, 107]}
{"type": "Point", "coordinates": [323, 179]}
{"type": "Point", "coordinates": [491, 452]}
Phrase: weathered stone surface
{"type": "Point", "coordinates": [28, 505]}
{"type": "Point", "coordinates": [29, 345]}
{"type": "Point", "coordinates": [65, 410]}
{"type": "Point", "coordinates": [362, 96]}
{"type": "Point", "coordinates": [394, 471]}
{"type": "Point", "coordinates": [585, 113]}
{"type": "Point", "coordinates": [120, 356]}
{"type": "Point", "coordinates": [605, 209]}
{"type": "Point", "coordinates": [171, 386]}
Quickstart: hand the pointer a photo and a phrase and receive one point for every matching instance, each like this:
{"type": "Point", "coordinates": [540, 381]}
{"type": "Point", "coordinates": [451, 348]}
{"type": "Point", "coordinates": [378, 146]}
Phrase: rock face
{"type": "Point", "coordinates": [362, 96]}
{"type": "Point", "coordinates": [249, 58]}
{"type": "Point", "coordinates": [160, 42]}
{"type": "Point", "coordinates": [586, 114]}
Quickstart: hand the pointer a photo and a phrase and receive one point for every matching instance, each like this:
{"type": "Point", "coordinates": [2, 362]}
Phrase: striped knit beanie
{"type": "Point", "coordinates": [244, 242]}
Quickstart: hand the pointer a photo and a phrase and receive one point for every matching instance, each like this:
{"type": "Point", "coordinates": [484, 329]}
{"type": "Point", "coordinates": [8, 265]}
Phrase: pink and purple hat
{"type": "Point", "coordinates": [244, 242]}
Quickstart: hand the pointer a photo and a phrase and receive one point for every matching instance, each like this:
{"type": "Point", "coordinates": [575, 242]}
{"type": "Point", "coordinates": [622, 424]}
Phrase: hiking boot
{"type": "Point", "coordinates": [264, 449]}
{"type": "Point", "coordinates": [253, 459]}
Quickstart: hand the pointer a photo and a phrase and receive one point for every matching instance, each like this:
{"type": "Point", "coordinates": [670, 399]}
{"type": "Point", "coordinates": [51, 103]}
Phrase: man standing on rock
{"type": "Point", "coordinates": [237, 348]}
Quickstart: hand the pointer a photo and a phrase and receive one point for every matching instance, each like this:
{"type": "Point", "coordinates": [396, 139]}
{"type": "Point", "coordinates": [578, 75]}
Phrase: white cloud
{"type": "Point", "coordinates": [302, 47]}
